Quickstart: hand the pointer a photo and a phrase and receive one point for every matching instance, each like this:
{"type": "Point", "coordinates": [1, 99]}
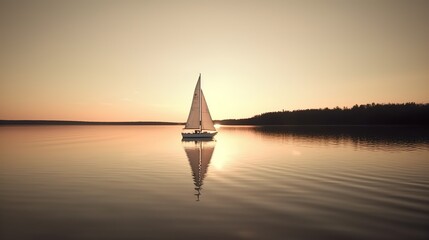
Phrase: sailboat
{"type": "Point", "coordinates": [200, 123]}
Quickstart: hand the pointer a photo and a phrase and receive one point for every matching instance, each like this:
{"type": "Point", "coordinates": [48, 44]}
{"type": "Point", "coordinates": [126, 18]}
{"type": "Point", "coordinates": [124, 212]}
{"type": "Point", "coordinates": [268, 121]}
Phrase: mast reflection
{"type": "Point", "coordinates": [199, 153]}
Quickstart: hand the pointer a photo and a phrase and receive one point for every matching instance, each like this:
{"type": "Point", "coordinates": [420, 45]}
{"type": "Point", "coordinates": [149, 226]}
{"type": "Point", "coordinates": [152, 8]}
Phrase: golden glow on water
{"type": "Point", "coordinates": [221, 158]}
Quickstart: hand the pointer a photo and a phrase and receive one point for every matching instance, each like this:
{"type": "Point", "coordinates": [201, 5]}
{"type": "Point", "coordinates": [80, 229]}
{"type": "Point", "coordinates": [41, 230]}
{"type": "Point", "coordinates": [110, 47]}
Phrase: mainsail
{"type": "Point", "coordinates": [199, 115]}
{"type": "Point", "coordinates": [194, 114]}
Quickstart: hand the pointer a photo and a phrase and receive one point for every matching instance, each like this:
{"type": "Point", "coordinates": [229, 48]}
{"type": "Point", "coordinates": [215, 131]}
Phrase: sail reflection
{"type": "Point", "coordinates": [199, 153]}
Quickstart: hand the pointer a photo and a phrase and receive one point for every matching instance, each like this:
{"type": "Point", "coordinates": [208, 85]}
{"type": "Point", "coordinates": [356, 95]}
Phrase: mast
{"type": "Point", "coordinates": [200, 110]}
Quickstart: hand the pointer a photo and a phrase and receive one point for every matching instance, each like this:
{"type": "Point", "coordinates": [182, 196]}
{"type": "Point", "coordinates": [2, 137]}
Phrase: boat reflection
{"type": "Point", "coordinates": [199, 153]}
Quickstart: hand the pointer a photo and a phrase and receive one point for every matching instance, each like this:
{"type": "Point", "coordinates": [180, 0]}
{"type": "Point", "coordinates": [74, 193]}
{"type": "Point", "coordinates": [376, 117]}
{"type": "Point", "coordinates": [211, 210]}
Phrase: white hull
{"type": "Point", "coordinates": [198, 135]}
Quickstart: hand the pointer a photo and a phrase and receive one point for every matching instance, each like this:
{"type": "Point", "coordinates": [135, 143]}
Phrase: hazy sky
{"type": "Point", "coordinates": [140, 60]}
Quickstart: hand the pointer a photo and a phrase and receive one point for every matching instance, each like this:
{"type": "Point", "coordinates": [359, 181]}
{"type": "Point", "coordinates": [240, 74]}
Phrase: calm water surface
{"type": "Point", "coordinates": [143, 182]}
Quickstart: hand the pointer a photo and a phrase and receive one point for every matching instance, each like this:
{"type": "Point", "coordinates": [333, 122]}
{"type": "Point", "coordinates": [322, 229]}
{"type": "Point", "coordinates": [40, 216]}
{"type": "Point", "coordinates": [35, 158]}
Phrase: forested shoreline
{"type": "Point", "coordinates": [365, 114]}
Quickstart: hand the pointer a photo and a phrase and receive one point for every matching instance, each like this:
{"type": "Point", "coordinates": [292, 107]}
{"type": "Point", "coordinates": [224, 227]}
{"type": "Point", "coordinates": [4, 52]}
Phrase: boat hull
{"type": "Point", "coordinates": [205, 135]}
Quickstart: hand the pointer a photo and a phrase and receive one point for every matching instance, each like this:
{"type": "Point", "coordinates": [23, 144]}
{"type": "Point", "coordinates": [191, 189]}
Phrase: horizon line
{"type": "Point", "coordinates": [80, 122]}
{"type": "Point", "coordinates": [151, 122]}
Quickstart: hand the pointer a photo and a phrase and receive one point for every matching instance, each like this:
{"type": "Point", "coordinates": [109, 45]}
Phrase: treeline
{"type": "Point", "coordinates": [367, 114]}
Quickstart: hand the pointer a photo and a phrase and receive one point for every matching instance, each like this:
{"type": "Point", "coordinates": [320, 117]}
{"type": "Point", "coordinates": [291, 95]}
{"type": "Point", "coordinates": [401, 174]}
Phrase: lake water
{"type": "Point", "coordinates": [143, 182]}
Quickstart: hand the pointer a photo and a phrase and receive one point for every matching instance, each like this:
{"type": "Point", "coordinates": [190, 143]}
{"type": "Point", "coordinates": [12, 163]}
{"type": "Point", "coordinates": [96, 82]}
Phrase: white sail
{"type": "Point", "coordinates": [194, 114]}
{"type": "Point", "coordinates": [206, 119]}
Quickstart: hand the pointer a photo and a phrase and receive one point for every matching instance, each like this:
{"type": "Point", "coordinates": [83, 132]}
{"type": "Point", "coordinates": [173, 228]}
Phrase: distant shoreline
{"type": "Point", "coordinates": [66, 122]}
{"type": "Point", "coordinates": [412, 114]}
{"type": "Point", "coordinates": [155, 123]}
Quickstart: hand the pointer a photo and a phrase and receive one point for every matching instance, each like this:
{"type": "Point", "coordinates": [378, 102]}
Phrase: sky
{"type": "Point", "coordinates": [140, 60]}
